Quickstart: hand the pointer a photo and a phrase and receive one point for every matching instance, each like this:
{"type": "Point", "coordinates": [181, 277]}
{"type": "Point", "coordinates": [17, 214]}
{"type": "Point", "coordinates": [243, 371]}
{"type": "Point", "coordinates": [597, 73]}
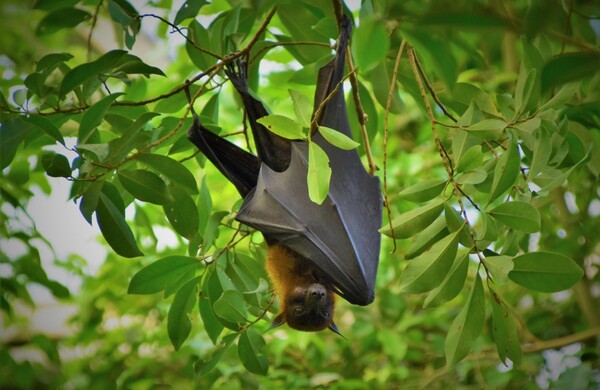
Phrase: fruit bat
{"type": "Point", "coordinates": [314, 250]}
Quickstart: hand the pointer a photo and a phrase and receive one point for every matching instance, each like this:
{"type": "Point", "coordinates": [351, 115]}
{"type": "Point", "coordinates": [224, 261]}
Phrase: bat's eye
{"type": "Point", "coordinates": [325, 314]}
{"type": "Point", "coordinates": [315, 276]}
{"type": "Point", "coordinates": [298, 311]}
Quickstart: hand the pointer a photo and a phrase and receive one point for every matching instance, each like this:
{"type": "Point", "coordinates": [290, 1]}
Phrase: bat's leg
{"type": "Point", "coordinates": [239, 166]}
{"type": "Point", "coordinates": [272, 149]}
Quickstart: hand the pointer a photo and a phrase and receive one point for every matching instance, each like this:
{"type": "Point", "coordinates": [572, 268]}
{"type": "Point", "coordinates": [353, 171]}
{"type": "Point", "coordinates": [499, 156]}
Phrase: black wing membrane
{"type": "Point", "coordinates": [238, 166]}
{"type": "Point", "coordinates": [341, 235]}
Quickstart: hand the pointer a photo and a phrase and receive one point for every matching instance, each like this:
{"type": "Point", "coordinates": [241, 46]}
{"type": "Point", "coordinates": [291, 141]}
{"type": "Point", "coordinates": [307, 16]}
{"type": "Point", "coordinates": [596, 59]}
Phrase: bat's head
{"type": "Point", "coordinates": [308, 308]}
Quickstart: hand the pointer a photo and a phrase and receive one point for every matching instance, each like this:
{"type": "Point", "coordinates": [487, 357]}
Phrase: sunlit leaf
{"type": "Point", "coordinates": [521, 216]}
{"type": "Point", "coordinates": [506, 171]}
{"type": "Point", "coordinates": [319, 173]}
{"type": "Point", "coordinates": [252, 352]}
{"type": "Point", "coordinates": [114, 228]}
{"type": "Point", "coordinates": [178, 321]}
{"type": "Point", "coordinates": [283, 126]}
{"type": "Point", "coordinates": [145, 186]}
{"type": "Point", "coordinates": [338, 139]}
{"type": "Point", "coordinates": [412, 222]}
{"type": "Point", "coordinates": [545, 271]}
{"type": "Point", "coordinates": [163, 273]}
{"type": "Point", "coordinates": [466, 327]}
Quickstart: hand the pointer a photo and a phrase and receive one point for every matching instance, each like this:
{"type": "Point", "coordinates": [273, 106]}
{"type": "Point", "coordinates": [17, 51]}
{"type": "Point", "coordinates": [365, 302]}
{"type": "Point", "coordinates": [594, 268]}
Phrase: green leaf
{"type": "Point", "coordinates": [545, 271]}
{"type": "Point", "coordinates": [79, 74]}
{"type": "Point", "coordinates": [12, 133]}
{"type": "Point", "coordinates": [453, 281]}
{"type": "Point", "coordinates": [489, 129]}
{"type": "Point", "coordinates": [199, 35]}
{"type": "Point", "coordinates": [429, 236]}
{"type": "Point", "coordinates": [51, 61]}
{"type": "Point", "coordinates": [189, 9]}
{"type": "Point", "coordinates": [61, 18]}
{"type": "Point", "coordinates": [302, 107]}
{"type": "Point", "coordinates": [56, 165]}
{"type": "Point", "coordinates": [476, 176]}
{"type": "Point", "coordinates": [89, 200]}
{"type": "Point", "coordinates": [412, 222]}
{"type": "Point", "coordinates": [115, 230]}
{"type": "Point", "coordinates": [381, 79]}
{"type": "Point", "coordinates": [252, 351]}
{"type": "Point", "coordinates": [231, 307]}
{"type": "Point", "coordinates": [50, 5]}
{"type": "Point", "coordinates": [46, 126]}
{"type": "Point", "coordinates": [527, 91]}
{"type": "Point", "coordinates": [472, 158]}
{"type": "Point", "coordinates": [337, 139]}
{"type": "Point", "coordinates": [370, 44]}
{"type": "Point", "coordinates": [211, 231]}
{"type": "Point", "coordinates": [175, 171]}
{"type": "Point", "coordinates": [428, 270]}
{"type": "Point", "coordinates": [505, 331]}
{"type": "Point", "coordinates": [182, 214]}
{"type": "Point", "coordinates": [521, 216]}
{"type": "Point", "coordinates": [506, 171]}
{"type": "Point", "coordinates": [319, 173]}
{"type": "Point", "coordinates": [423, 191]}
{"type": "Point", "coordinates": [162, 274]}
{"type": "Point", "coordinates": [455, 222]}
{"type": "Point", "coordinates": [569, 67]}
{"type": "Point", "coordinates": [130, 64]}
{"type": "Point", "coordinates": [205, 364]}
{"type": "Point", "coordinates": [93, 116]}
{"type": "Point", "coordinates": [283, 126]}
{"type": "Point", "coordinates": [466, 327]}
{"type": "Point", "coordinates": [178, 320]}
{"type": "Point", "coordinates": [212, 326]}
{"type": "Point", "coordinates": [562, 97]}
{"type": "Point", "coordinates": [145, 186]}
{"type": "Point", "coordinates": [499, 267]}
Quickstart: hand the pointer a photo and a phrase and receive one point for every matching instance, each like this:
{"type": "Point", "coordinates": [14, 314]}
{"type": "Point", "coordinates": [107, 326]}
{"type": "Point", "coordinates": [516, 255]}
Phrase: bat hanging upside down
{"type": "Point", "coordinates": [314, 250]}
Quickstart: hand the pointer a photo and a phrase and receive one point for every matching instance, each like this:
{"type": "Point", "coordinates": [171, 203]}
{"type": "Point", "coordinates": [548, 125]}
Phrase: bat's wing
{"type": "Point", "coordinates": [238, 166]}
{"type": "Point", "coordinates": [272, 149]}
{"type": "Point", "coordinates": [340, 236]}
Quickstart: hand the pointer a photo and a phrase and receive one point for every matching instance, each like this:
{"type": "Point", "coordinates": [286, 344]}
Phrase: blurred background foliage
{"type": "Point", "coordinates": [531, 63]}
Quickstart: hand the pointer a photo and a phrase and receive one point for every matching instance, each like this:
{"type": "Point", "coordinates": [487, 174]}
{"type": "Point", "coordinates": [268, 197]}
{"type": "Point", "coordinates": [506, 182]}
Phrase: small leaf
{"type": "Point", "coordinates": [319, 173]}
{"type": "Point", "coordinates": [521, 216]}
{"type": "Point", "coordinates": [427, 237]}
{"type": "Point", "coordinates": [452, 283]}
{"type": "Point", "coordinates": [283, 126]}
{"type": "Point", "coordinates": [499, 267]}
{"type": "Point", "coordinates": [427, 271]}
{"type": "Point", "coordinates": [231, 307]}
{"type": "Point", "coordinates": [506, 171]}
{"type": "Point", "coordinates": [46, 126]}
{"type": "Point", "coordinates": [505, 331]}
{"type": "Point", "coordinates": [178, 320]}
{"type": "Point", "coordinates": [173, 170]}
{"type": "Point", "coordinates": [301, 107]}
{"type": "Point", "coordinates": [252, 352]}
{"type": "Point", "coordinates": [527, 91]}
{"type": "Point", "coordinates": [423, 191]}
{"type": "Point", "coordinates": [163, 273]}
{"type": "Point", "coordinates": [12, 133]}
{"type": "Point", "coordinates": [115, 230]}
{"type": "Point", "coordinates": [569, 67]}
{"type": "Point", "coordinates": [471, 159]}
{"type": "Point", "coordinates": [145, 186]}
{"type": "Point", "coordinates": [466, 327]}
{"type": "Point", "coordinates": [56, 165]}
{"type": "Point", "coordinates": [487, 129]}
{"type": "Point", "coordinates": [61, 18]}
{"type": "Point", "coordinates": [563, 96]}
{"type": "Point", "coordinates": [476, 176]}
{"type": "Point", "coordinates": [337, 139]}
{"type": "Point", "coordinates": [412, 222]}
{"type": "Point", "coordinates": [204, 365]}
{"type": "Point", "coordinates": [212, 326]}
{"type": "Point", "coordinates": [189, 9]}
{"type": "Point", "coordinates": [182, 214]}
{"type": "Point", "coordinates": [89, 200]}
{"type": "Point", "coordinates": [545, 271]}
{"type": "Point", "coordinates": [370, 44]}
{"type": "Point", "coordinates": [79, 74]}
{"type": "Point", "coordinates": [93, 116]}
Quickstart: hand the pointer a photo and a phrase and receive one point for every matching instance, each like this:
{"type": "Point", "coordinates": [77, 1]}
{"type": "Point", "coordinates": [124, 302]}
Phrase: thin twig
{"type": "Point", "coordinates": [92, 27]}
{"type": "Point", "coordinates": [385, 140]}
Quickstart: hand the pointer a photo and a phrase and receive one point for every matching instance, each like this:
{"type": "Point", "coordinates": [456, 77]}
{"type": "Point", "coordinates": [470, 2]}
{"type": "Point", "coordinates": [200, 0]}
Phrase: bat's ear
{"type": "Point", "coordinates": [333, 327]}
{"type": "Point", "coordinates": [277, 322]}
